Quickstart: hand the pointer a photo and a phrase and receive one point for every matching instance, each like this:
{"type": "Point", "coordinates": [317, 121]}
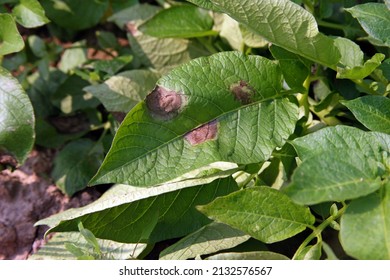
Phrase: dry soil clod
{"type": "Point", "coordinates": [242, 92]}
{"type": "Point", "coordinates": [203, 133]}
{"type": "Point", "coordinates": [164, 103]}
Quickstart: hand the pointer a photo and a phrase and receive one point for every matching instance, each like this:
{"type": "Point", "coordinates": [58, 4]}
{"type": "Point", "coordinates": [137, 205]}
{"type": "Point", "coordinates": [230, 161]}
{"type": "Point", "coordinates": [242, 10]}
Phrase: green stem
{"type": "Point", "coordinates": [303, 98]}
{"type": "Point", "coordinates": [337, 26]}
{"type": "Point", "coordinates": [361, 83]}
{"type": "Point", "coordinates": [206, 43]}
{"type": "Point", "coordinates": [318, 230]}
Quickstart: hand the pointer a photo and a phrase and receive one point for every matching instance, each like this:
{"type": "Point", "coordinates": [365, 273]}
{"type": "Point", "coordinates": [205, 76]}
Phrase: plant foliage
{"type": "Point", "coordinates": [225, 129]}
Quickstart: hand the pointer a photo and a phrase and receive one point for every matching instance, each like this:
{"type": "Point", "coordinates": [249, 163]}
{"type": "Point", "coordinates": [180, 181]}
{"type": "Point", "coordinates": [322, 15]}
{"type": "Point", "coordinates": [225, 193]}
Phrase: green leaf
{"type": "Point", "coordinates": [37, 46]}
{"type": "Point", "coordinates": [17, 121]}
{"type": "Point", "coordinates": [220, 108]}
{"type": "Point", "coordinates": [75, 165]}
{"type": "Point", "coordinates": [352, 65]}
{"type": "Point", "coordinates": [209, 239]}
{"type": "Point", "coordinates": [284, 24]}
{"type": "Point", "coordinates": [74, 14]}
{"type": "Point", "coordinates": [334, 175]}
{"type": "Point", "coordinates": [181, 21]}
{"type": "Point", "coordinates": [162, 54]}
{"type": "Point", "coordinates": [123, 212]}
{"type": "Point", "coordinates": [374, 18]}
{"type": "Point", "coordinates": [73, 57]}
{"type": "Point", "coordinates": [54, 249]}
{"type": "Point", "coordinates": [372, 111]}
{"type": "Point", "coordinates": [265, 213]}
{"type": "Point", "coordinates": [294, 67]}
{"type": "Point", "coordinates": [112, 66]}
{"type": "Point", "coordinates": [122, 92]}
{"type": "Point", "coordinates": [360, 72]}
{"type": "Point", "coordinates": [311, 252]}
{"type": "Point", "coordinates": [136, 14]}
{"type": "Point", "coordinates": [365, 226]}
{"type": "Point", "coordinates": [48, 136]}
{"type": "Point", "coordinates": [10, 39]}
{"type": "Point", "coordinates": [205, 4]}
{"type": "Point", "coordinates": [259, 255]}
{"type": "Point", "coordinates": [70, 97]}
{"type": "Point", "coordinates": [332, 139]}
{"type": "Point", "coordinates": [30, 13]}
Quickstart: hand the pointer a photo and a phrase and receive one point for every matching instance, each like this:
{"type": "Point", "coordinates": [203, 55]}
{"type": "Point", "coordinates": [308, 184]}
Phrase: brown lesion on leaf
{"type": "Point", "coordinates": [242, 92]}
{"type": "Point", "coordinates": [164, 103]}
{"type": "Point", "coordinates": [201, 134]}
{"type": "Point", "coordinates": [132, 28]}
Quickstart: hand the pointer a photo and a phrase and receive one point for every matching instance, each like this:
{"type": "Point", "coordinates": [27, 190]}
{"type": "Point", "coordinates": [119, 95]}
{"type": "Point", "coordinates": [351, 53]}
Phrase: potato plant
{"type": "Point", "coordinates": [250, 126]}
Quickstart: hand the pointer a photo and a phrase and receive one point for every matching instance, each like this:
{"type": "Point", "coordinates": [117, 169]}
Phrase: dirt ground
{"type": "Point", "coordinates": [27, 195]}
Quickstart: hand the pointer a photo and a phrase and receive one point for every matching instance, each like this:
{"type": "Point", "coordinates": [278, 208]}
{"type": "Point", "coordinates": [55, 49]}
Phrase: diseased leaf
{"type": "Point", "coordinates": [10, 39]}
{"type": "Point", "coordinates": [265, 213]}
{"type": "Point", "coordinates": [218, 108]}
{"type": "Point", "coordinates": [123, 91]}
{"type": "Point", "coordinates": [334, 175]}
{"type": "Point", "coordinates": [209, 239]}
{"type": "Point", "coordinates": [123, 212]}
{"type": "Point", "coordinates": [30, 13]}
{"type": "Point", "coordinates": [375, 20]}
{"type": "Point", "coordinates": [365, 226]}
{"type": "Point", "coordinates": [75, 165]}
{"type": "Point", "coordinates": [181, 21]}
{"type": "Point", "coordinates": [284, 24]}
{"type": "Point", "coordinates": [17, 121]}
{"type": "Point", "coordinates": [372, 111]}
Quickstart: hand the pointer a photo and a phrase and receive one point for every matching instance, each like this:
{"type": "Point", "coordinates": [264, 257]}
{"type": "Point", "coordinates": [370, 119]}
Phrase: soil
{"type": "Point", "coordinates": [27, 195]}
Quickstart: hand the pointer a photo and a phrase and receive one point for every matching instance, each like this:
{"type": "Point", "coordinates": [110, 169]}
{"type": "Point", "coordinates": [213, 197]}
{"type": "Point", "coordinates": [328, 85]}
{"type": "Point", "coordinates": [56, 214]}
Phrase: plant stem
{"type": "Point", "coordinates": [361, 83]}
{"type": "Point", "coordinates": [336, 26]}
{"type": "Point", "coordinates": [317, 231]}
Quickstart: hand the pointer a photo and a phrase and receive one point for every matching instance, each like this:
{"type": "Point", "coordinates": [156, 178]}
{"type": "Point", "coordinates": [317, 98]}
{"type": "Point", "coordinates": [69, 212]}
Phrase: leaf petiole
{"type": "Point", "coordinates": [318, 230]}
